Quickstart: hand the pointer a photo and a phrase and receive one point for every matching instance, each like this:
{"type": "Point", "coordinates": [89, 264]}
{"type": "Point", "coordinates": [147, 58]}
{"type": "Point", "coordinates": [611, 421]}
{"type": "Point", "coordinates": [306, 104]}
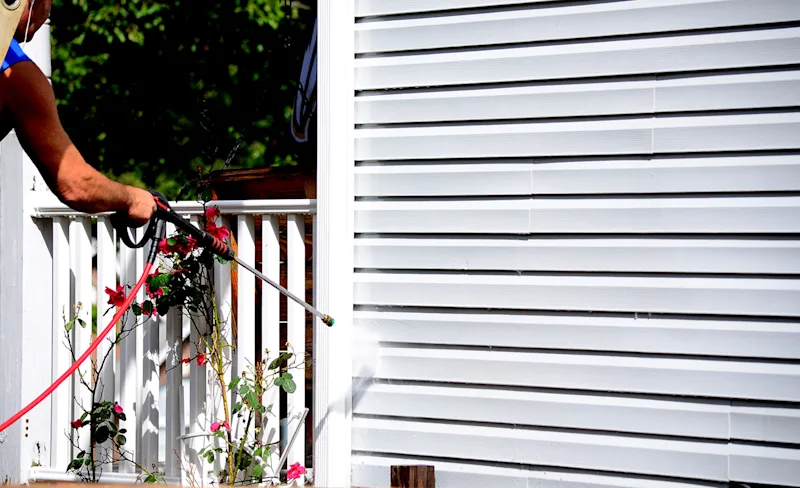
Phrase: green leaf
{"type": "Point", "coordinates": [258, 471]}
{"type": "Point", "coordinates": [243, 390]}
{"type": "Point", "coordinates": [122, 416]}
{"type": "Point", "coordinates": [288, 384]}
{"type": "Point", "coordinates": [236, 408]}
{"type": "Point", "coordinates": [258, 451]}
{"type": "Point", "coordinates": [252, 399]}
{"type": "Point", "coordinates": [69, 325]}
{"type": "Point", "coordinates": [101, 434]}
{"type": "Point", "coordinates": [137, 310]}
{"type": "Point", "coordinates": [80, 455]}
{"type": "Point", "coordinates": [150, 479]}
{"type": "Point", "coordinates": [234, 382]}
{"type": "Point", "coordinates": [121, 440]}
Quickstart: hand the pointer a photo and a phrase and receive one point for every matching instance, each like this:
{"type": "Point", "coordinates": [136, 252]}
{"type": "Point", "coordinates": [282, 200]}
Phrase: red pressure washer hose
{"type": "Point", "coordinates": [127, 303]}
{"type": "Point", "coordinates": [155, 232]}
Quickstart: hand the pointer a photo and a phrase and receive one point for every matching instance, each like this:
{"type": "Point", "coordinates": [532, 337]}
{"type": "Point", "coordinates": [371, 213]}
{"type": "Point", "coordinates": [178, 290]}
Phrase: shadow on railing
{"type": "Point", "coordinates": [168, 398]}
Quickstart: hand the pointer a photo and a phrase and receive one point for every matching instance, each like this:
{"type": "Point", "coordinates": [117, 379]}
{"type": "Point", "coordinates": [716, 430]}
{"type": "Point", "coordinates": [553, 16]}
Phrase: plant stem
{"type": "Point", "coordinates": [223, 386]}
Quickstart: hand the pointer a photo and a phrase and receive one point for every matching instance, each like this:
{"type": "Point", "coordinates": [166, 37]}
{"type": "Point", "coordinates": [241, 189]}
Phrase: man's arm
{"type": "Point", "coordinates": [32, 105]}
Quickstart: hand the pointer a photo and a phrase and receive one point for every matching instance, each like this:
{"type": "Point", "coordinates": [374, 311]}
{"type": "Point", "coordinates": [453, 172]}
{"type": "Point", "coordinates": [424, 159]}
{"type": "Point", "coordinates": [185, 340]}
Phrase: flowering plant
{"type": "Point", "coordinates": [184, 280]}
{"type": "Point", "coordinates": [100, 420]}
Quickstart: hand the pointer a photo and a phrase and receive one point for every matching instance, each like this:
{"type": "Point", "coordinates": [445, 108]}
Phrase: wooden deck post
{"type": "Point", "coordinates": [413, 477]}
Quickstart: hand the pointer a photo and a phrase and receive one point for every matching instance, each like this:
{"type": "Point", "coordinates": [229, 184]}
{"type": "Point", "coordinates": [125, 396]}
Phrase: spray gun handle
{"type": "Point", "coordinates": [204, 239]}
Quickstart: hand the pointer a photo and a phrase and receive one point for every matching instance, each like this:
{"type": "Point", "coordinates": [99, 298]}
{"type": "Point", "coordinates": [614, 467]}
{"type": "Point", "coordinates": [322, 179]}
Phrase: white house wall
{"type": "Point", "coordinates": [578, 241]}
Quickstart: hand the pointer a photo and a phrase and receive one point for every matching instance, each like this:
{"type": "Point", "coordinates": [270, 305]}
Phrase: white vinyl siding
{"type": "Point", "coordinates": [578, 242]}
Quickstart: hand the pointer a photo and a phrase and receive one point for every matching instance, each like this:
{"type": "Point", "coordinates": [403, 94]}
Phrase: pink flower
{"type": "Point", "coordinates": [227, 426]}
{"type": "Point", "coordinates": [117, 408]}
{"type": "Point", "coordinates": [295, 471]}
{"type": "Point", "coordinates": [215, 426]}
{"type": "Point", "coordinates": [76, 424]}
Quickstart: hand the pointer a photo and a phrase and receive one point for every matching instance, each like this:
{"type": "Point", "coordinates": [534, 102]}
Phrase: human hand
{"type": "Point", "coordinates": [140, 208]}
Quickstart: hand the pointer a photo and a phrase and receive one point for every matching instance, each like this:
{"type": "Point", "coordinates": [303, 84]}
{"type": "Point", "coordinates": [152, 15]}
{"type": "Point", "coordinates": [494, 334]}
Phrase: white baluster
{"type": "Point", "coordinates": [173, 366]}
{"type": "Point", "coordinates": [150, 385]}
{"type": "Point", "coordinates": [81, 257]}
{"type": "Point", "coordinates": [130, 353]}
{"type": "Point", "coordinates": [60, 447]}
{"type": "Point", "coordinates": [246, 312]}
{"type": "Point", "coordinates": [223, 296]}
{"type": "Point", "coordinates": [270, 327]}
{"type": "Point", "coordinates": [296, 330]}
{"type": "Point", "coordinates": [198, 382]}
{"type": "Point", "coordinates": [106, 278]}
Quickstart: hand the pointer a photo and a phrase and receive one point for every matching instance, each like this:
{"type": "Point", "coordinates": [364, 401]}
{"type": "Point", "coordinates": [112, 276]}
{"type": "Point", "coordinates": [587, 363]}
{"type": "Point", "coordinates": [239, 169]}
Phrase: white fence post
{"type": "Point", "coordinates": [25, 261]}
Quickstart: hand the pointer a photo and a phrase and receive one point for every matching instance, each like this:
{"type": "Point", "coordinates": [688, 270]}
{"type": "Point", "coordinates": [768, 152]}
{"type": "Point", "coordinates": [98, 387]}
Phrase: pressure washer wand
{"type": "Point", "coordinates": [204, 239]}
{"type": "Point", "coordinates": [326, 319]}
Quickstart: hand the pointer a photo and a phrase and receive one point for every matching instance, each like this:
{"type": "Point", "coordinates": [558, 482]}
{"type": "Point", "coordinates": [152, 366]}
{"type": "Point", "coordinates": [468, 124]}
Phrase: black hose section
{"type": "Point", "coordinates": [159, 234]}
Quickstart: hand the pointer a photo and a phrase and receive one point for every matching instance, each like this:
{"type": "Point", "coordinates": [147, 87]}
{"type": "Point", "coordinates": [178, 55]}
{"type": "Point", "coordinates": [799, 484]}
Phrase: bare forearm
{"type": "Point", "coordinates": [85, 189]}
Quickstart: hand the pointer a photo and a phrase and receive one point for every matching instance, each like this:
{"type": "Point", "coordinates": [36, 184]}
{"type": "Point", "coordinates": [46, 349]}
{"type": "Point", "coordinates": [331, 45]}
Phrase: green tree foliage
{"type": "Point", "coordinates": [150, 90]}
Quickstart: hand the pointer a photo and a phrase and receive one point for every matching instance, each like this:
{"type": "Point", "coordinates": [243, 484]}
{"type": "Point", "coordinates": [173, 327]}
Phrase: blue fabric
{"type": "Point", "coordinates": [14, 55]}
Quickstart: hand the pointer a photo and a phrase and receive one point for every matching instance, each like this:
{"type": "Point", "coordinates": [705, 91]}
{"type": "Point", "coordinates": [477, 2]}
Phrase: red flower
{"type": "Point", "coordinates": [117, 408]}
{"type": "Point", "coordinates": [220, 233]}
{"type": "Point", "coordinates": [186, 360]}
{"type": "Point", "coordinates": [201, 359]}
{"type": "Point", "coordinates": [164, 247]}
{"type": "Point", "coordinates": [187, 247]}
{"type": "Point", "coordinates": [212, 213]}
{"type": "Point", "coordinates": [116, 298]}
{"type": "Point", "coordinates": [76, 424]}
{"type": "Point", "coordinates": [158, 292]}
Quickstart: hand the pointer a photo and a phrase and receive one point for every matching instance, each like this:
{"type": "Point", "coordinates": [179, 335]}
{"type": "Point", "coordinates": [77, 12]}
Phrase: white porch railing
{"type": "Point", "coordinates": [168, 415]}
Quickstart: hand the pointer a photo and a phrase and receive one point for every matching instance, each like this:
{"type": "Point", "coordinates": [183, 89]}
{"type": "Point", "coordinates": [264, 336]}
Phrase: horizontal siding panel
{"type": "Point", "coordinates": [582, 255]}
{"type": "Point", "coordinates": [570, 100]}
{"type": "Point", "coordinates": [696, 93]}
{"type": "Point", "coordinates": [738, 296]}
{"type": "Point", "coordinates": [584, 451]}
{"type": "Point", "coordinates": [635, 136]}
{"type": "Point", "coordinates": [532, 25]}
{"type": "Point", "coordinates": [765, 424]}
{"type": "Point", "coordinates": [445, 180]}
{"type": "Point", "coordinates": [767, 465]}
{"type": "Point", "coordinates": [622, 215]}
{"type": "Point", "coordinates": [634, 334]}
{"type": "Point", "coordinates": [608, 58]}
{"type": "Point", "coordinates": [488, 216]}
{"type": "Point", "coordinates": [661, 175]}
{"type": "Point", "coordinates": [372, 471]}
{"type": "Point", "coordinates": [520, 408]}
{"type": "Point", "coordinates": [364, 8]}
{"type": "Point", "coordinates": [661, 376]}
{"type": "Point", "coordinates": [727, 92]}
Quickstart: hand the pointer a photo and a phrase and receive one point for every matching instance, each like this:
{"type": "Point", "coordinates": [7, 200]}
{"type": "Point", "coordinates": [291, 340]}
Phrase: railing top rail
{"type": "Point", "coordinates": [47, 205]}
